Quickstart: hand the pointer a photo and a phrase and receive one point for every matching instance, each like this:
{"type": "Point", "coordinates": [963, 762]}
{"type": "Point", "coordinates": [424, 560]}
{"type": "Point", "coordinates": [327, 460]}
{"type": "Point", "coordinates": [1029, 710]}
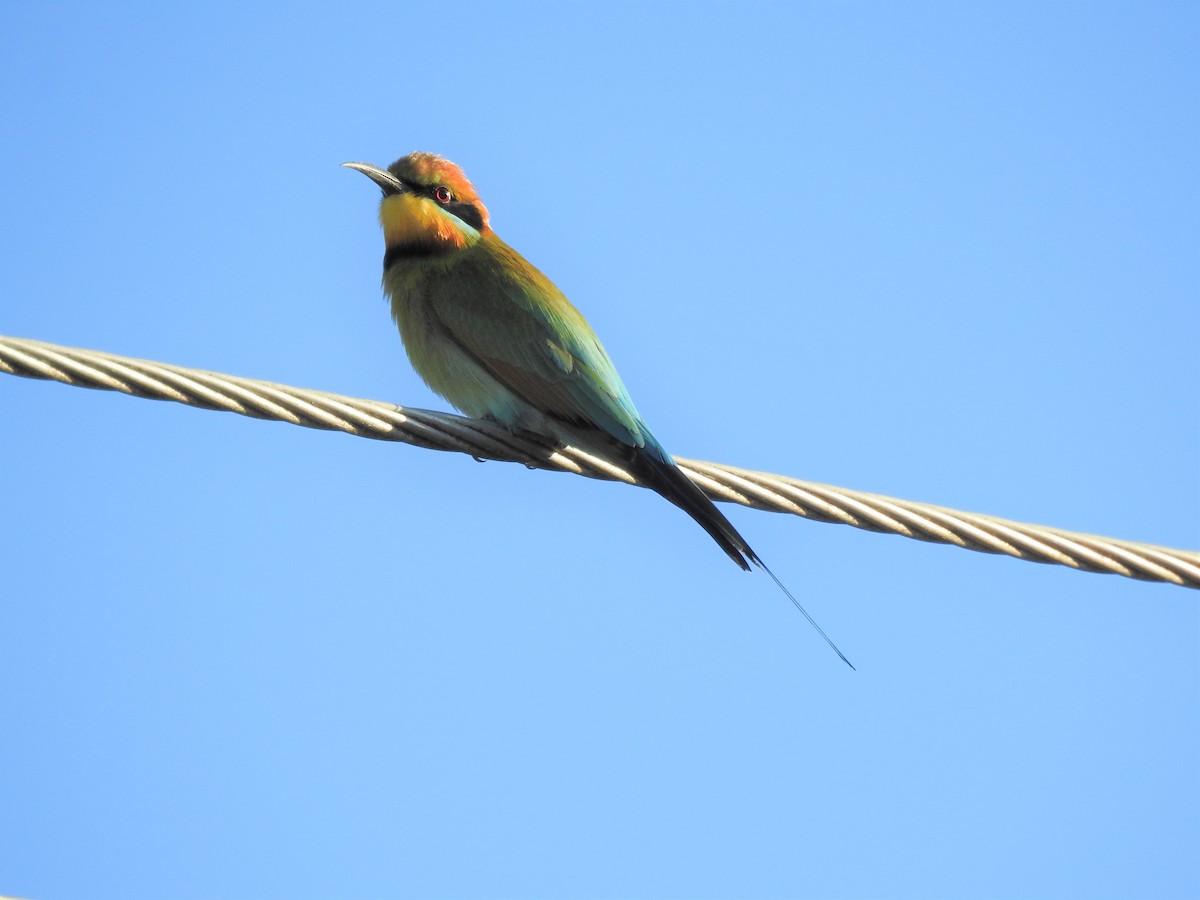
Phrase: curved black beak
{"type": "Point", "coordinates": [387, 182]}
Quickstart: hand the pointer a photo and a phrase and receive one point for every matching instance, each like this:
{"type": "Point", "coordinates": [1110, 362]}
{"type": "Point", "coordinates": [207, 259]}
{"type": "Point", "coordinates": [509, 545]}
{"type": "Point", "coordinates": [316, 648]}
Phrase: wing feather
{"type": "Point", "coordinates": [548, 356]}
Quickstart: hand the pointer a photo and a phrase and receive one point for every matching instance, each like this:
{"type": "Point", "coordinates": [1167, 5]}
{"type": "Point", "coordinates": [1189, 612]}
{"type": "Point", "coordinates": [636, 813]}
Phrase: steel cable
{"type": "Point", "coordinates": [485, 440]}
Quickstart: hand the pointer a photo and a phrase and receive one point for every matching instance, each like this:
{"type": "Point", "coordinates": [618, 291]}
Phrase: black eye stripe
{"type": "Point", "coordinates": [429, 190]}
{"type": "Point", "coordinates": [468, 212]}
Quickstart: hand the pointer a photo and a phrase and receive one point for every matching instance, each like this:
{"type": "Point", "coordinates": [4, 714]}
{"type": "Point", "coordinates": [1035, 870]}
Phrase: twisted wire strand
{"type": "Point", "coordinates": [485, 440]}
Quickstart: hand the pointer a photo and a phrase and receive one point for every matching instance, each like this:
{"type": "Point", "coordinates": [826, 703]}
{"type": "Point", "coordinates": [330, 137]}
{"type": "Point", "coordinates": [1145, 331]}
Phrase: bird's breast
{"type": "Point", "coordinates": [441, 360]}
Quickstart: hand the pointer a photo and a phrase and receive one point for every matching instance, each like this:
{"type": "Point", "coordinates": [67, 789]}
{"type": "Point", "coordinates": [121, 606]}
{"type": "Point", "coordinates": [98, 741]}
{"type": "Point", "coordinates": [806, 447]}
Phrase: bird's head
{"type": "Point", "coordinates": [429, 207]}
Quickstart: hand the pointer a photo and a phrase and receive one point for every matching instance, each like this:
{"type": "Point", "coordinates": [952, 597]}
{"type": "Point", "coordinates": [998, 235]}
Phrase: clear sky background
{"type": "Point", "coordinates": [946, 252]}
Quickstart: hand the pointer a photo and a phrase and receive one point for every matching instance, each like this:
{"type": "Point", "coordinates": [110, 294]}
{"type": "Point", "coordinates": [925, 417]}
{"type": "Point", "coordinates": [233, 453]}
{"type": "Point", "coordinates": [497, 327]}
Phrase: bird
{"type": "Point", "coordinates": [491, 334]}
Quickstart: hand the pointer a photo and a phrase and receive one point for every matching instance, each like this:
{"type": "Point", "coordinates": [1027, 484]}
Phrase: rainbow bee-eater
{"type": "Point", "coordinates": [495, 337]}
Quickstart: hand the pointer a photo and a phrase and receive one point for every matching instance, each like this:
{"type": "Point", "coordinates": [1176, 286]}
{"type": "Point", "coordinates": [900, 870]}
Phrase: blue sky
{"type": "Point", "coordinates": [947, 252]}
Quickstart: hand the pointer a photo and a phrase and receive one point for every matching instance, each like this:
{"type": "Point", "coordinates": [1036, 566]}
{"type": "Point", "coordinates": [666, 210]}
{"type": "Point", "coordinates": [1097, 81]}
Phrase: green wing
{"type": "Point", "coordinates": [512, 320]}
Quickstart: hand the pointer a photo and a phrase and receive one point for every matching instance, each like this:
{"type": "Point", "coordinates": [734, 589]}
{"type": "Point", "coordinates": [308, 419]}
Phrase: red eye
{"type": "Point", "coordinates": [442, 194]}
